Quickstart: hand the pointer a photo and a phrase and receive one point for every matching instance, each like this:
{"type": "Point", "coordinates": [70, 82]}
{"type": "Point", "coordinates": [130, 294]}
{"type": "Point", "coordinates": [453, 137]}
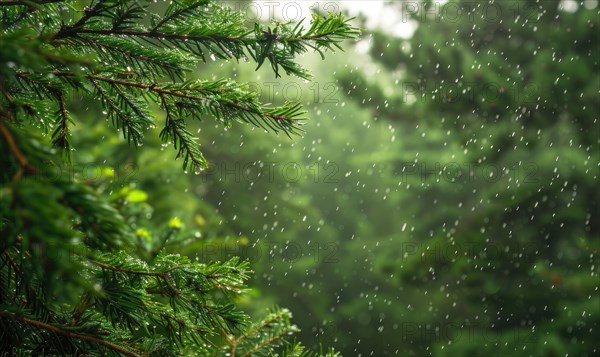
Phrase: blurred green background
{"type": "Point", "coordinates": [443, 200]}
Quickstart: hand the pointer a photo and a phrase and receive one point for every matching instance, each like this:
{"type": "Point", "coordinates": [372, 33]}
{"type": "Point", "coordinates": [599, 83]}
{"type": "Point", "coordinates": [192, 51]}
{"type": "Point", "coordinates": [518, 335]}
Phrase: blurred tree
{"type": "Point", "coordinates": [70, 282]}
{"type": "Point", "coordinates": [495, 184]}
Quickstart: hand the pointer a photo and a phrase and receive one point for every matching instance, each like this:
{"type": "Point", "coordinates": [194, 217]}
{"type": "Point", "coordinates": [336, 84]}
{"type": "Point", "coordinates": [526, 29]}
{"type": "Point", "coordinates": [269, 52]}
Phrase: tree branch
{"type": "Point", "coordinates": [27, 3]}
{"type": "Point", "coordinates": [60, 139]}
{"type": "Point", "coordinates": [258, 328]}
{"type": "Point", "coordinates": [155, 35]}
{"type": "Point", "coordinates": [159, 89]}
{"type": "Point", "coordinates": [17, 153]}
{"type": "Point", "coordinates": [131, 271]}
{"type": "Point", "coordinates": [69, 334]}
{"type": "Point", "coordinates": [87, 14]}
{"type": "Point", "coordinates": [265, 343]}
{"type": "Point", "coordinates": [177, 13]}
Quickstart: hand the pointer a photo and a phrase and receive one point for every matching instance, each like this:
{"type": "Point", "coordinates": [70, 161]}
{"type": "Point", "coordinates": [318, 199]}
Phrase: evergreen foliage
{"type": "Point", "coordinates": [70, 283]}
{"type": "Point", "coordinates": [499, 258]}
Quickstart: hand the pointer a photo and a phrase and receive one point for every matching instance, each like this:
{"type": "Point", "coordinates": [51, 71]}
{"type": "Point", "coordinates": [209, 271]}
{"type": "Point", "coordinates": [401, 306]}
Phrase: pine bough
{"type": "Point", "coordinates": [66, 284]}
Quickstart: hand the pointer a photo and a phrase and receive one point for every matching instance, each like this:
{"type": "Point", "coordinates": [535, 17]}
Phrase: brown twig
{"type": "Point", "coordinates": [78, 312]}
{"type": "Point", "coordinates": [69, 334]}
{"type": "Point", "coordinates": [131, 271]}
{"type": "Point", "coordinates": [18, 154]}
{"type": "Point", "coordinates": [164, 275]}
{"type": "Point", "coordinates": [159, 89]}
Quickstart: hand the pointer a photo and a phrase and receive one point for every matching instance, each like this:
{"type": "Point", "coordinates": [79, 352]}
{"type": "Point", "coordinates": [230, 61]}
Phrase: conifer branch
{"type": "Point", "coordinates": [10, 140]}
{"type": "Point", "coordinates": [28, 2]}
{"type": "Point", "coordinates": [175, 131]}
{"type": "Point", "coordinates": [162, 274]}
{"type": "Point", "coordinates": [87, 14]}
{"type": "Point", "coordinates": [61, 133]}
{"type": "Point", "coordinates": [259, 327]}
{"type": "Point", "coordinates": [150, 62]}
{"type": "Point", "coordinates": [6, 94]}
{"type": "Point", "coordinates": [122, 54]}
{"type": "Point", "coordinates": [80, 308]}
{"type": "Point", "coordinates": [167, 89]}
{"type": "Point", "coordinates": [130, 128]}
{"type": "Point", "coordinates": [262, 344]}
{"type": "Point", "coordinates": [182, 322]}
{"type": "Point", "coordinates": [24, 165]}
{"type": "Point", "coordinates": [114, 31]}
{"type": "Point", "coordinates": [160, 35]}
{"type": "Point", "coordinates": [177, 13]}
{"type": "Point", "coordinates": [266, 333]}
{"type": "Point", "coordinates": [70, 334]}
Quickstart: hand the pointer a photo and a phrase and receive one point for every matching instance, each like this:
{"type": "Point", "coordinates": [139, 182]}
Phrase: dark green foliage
{"type": "Point", "coordinates": [109, 54]}
{"type": "Point", "coordinates": [501, 259]}
{"type": "Point", "coordinates": [70, 279]}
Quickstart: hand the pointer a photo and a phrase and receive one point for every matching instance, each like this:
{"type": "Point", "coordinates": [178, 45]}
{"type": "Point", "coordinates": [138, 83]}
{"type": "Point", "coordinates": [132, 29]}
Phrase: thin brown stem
{"type": "Point", "coordinates": [185, 37]}
{"type": "Point", "coordinates": [88, 13]}
{"type": "Point", "coordinates": [164, 36]}
{"type": "Point", "coordinates": [131, 271]}
{"type": "Point", "coordinates": [17, 153]}
{"type": "Point", "coordinates": [182, 322]}
{"type": "Point", "coordinates": [70, 334]}
{"type": "Point", "coordinates": [78, 312]}
{"type": "Point", "coordinates": [164, 275]}
{"type": "Point", "coordinates": [7, 95]}
{"type": "Point", "coordinates": [157, 88]}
